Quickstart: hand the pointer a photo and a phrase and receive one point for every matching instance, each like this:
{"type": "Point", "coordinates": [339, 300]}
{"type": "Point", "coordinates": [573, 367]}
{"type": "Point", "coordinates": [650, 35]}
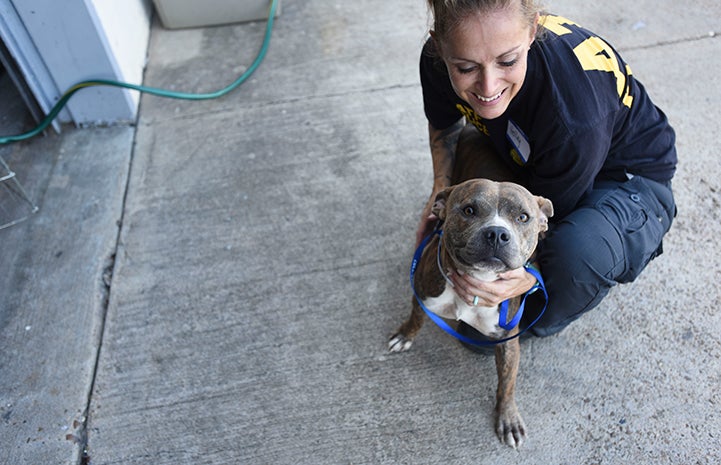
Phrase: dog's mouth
{"type": "Point", "coordinates": [482, 257]}
{"type": "Point", "coordinates": [487, 263]}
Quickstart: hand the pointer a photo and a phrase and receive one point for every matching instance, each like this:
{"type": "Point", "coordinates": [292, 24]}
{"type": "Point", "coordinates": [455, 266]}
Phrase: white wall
{"type": "Point", "coordinates": [89, 39]}
{"type": "Point", "coordinates": [126, 25]}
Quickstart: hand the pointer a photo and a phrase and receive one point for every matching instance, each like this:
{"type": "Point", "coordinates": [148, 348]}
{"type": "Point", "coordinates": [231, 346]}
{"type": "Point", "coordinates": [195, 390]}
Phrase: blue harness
{"type": "Point", "coordinates": [503, 310]}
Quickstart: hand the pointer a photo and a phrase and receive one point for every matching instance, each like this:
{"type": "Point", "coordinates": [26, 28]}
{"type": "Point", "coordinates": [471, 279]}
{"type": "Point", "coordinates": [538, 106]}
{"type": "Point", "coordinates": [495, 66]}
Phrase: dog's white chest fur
{"type": "Point", "coordinates": [449, 305]}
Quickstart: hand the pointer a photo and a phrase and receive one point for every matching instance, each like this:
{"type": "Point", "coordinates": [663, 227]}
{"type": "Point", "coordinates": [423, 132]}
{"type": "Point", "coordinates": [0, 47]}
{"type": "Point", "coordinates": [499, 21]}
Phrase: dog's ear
{"type": "Point", "coordinates": [439, 206]}
{"type": "Point", "coordinates": [546, 208]}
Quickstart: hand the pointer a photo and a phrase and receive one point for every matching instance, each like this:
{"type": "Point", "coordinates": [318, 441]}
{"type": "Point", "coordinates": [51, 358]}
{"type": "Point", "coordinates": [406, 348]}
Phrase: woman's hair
{"type": "Point", "coordinates": [448, 13]}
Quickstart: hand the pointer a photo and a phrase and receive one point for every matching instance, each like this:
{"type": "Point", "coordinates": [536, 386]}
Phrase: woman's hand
{"type": "Point", "coordinates": [509, 284]}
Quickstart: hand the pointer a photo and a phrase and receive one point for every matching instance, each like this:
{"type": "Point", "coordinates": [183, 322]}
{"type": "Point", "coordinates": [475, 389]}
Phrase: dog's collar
{"type": "Point", "coordinates": [438, 260]}
{"type": "Point", "coordinates": [503, 309]}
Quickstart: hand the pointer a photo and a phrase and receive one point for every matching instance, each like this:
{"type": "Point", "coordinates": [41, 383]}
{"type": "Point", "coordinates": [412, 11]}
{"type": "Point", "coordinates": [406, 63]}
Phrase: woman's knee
{"type": "Point", "coordinates": [579, 260]}
{"type": "Point", "coordinates": [583, 246]}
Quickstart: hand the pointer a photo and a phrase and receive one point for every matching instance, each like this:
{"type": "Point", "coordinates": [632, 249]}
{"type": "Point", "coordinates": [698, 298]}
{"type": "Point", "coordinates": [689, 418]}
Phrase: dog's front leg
{"type": "Point", "coordinates": [403, 337]}
{"type": "Point", "coordinates": [509, 425]}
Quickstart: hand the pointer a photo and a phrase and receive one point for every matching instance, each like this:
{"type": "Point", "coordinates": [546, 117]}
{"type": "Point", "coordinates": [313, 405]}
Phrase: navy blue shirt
{"type": "Point", "coordinates": [580, 115]}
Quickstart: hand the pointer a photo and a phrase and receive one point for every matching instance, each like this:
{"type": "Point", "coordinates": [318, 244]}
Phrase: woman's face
{"type": "Point", "coordinates": [486, 56]}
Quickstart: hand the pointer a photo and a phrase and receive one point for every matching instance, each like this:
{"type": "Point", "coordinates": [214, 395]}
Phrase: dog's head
{"type": "Point", "coordinates": [491, 227]}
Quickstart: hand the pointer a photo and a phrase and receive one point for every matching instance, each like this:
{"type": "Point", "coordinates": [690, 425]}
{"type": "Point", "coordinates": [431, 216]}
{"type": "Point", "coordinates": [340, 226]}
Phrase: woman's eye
{"type": "Point", "coordinates": [523, 218]}
{"type": "Point", "coordinates": [469, 211]}
{"type": "Point", "coordinates": [508, 64]}
{"type": "Point", "coordinates": [465, 70]}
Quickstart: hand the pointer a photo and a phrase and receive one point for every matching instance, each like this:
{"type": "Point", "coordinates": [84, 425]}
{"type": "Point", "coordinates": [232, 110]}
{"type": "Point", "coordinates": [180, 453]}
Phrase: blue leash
{"type": "Point", "coordinates": [503, 311]}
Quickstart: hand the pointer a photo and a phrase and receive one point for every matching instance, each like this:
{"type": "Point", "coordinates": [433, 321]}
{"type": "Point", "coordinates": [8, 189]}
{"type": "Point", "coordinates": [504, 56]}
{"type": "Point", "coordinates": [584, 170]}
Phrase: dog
{"type": "Point", "coordinates": [488, 228]}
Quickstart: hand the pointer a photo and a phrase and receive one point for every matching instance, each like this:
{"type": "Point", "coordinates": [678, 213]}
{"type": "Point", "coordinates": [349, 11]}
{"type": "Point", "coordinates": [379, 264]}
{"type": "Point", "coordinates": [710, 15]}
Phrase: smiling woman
{"type": "Point", "coordinates": [511, 93]}
{"type": "Point", "coordinates": [486, 57]}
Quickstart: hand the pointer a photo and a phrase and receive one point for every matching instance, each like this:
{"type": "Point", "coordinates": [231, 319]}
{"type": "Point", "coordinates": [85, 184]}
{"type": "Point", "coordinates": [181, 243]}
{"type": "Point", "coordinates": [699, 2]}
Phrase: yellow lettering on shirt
{"type": "Point", "coordinates": [473, 118]}
{"type": "Point", "coordinates": [557, 24]}
{"type": "Point", "coordinates": [596, 55]}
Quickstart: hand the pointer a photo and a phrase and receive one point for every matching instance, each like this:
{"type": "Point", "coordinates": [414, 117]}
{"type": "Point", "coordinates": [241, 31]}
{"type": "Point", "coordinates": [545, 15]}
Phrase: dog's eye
{"type": "Point", "coordinates": [523, 218]}
{"type": "Point", "coordinates": [468, 211]}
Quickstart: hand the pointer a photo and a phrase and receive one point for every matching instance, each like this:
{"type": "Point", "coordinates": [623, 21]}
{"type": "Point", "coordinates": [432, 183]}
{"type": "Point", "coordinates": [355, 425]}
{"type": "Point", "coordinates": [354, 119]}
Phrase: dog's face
{"type": "Point", "coordinates": [491, 227]}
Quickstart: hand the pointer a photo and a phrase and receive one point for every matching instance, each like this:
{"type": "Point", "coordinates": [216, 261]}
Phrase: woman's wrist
{"type": "Point", "coordinates": [536, 285]}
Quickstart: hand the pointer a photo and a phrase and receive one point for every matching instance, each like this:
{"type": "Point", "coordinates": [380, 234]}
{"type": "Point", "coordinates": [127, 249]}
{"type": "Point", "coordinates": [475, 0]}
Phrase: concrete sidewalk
{"type": "Point", "coordinates": [217, 284]}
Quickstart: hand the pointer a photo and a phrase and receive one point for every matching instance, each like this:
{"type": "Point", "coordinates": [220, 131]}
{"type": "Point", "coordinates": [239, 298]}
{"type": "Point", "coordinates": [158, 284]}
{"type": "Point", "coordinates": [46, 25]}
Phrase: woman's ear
{"type": "Point", "coordinates": [436, 42]}
{"type": "Point", "coordinates": [534, 28]}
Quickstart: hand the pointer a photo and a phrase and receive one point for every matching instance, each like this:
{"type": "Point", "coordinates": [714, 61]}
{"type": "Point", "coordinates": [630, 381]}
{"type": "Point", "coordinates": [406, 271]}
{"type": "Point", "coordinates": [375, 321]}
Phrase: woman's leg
{"type": "Point", "coordinates": [610, 238]}
{"type": "Point", "coordinates": [579, 259]}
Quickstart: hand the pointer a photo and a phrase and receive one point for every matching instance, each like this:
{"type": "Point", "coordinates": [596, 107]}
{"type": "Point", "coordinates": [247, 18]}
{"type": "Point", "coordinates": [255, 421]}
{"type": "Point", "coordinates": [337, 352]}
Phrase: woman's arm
{"type": "Point", "coordinates": [443, 144]}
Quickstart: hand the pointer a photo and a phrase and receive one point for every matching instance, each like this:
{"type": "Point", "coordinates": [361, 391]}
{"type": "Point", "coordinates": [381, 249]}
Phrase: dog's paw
{"type": "Point", "coordinates": [399, 343]}
{"type": "Point", "coordinates": [510, 428]}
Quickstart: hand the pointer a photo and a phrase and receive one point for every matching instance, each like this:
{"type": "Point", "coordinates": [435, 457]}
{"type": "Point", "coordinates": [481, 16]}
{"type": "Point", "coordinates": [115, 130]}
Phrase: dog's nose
{"type": "Point", "coordinates": [496, 236]}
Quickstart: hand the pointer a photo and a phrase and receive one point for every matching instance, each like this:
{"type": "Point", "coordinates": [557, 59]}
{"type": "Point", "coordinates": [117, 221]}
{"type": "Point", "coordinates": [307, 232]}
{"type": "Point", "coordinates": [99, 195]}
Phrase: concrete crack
{"type": "Point", "coordinates": [663, 43]}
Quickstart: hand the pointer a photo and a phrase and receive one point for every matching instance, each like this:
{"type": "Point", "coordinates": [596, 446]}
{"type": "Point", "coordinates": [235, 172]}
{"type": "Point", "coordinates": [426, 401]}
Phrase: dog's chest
{"type": "Point", "coordinates": [449, 305]}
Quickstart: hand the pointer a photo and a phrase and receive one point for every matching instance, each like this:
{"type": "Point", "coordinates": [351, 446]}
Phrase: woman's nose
{"type": "Point", "coordinates": [487, 80]}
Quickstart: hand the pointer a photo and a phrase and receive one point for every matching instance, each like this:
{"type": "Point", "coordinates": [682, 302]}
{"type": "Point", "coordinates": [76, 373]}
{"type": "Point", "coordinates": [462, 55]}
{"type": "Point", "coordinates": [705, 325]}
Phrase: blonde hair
{"type": "Point", "coordinates": [447, 14]}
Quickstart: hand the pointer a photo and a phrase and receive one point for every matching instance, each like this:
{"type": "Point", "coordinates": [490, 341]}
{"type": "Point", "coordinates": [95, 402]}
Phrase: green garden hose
{"type": "Point", "coordinates": [150, 90]}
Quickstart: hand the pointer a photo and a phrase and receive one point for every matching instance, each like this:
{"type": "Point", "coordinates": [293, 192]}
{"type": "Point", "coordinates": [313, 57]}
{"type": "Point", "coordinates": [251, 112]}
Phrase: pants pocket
{"type": "Point", "coordinates": [637, 213]}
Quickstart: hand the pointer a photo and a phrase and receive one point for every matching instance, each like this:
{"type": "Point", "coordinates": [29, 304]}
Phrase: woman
{"type": "Point", "coordinates": [552, 106]}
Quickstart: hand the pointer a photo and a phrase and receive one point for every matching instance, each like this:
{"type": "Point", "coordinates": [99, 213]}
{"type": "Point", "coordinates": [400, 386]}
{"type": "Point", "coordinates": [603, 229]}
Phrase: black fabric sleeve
{"type": "Point", "coordinates": [565, 171]}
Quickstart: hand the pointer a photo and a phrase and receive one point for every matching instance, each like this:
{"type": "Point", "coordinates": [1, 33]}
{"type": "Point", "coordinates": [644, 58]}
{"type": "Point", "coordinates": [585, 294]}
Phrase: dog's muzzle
{"type": "Point", "coordinates": [493, 247]}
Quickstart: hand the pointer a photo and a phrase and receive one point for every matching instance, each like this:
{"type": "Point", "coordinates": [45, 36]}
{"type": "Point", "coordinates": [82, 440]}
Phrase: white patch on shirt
{"type": "Point", "coordinates": [519, 141]}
